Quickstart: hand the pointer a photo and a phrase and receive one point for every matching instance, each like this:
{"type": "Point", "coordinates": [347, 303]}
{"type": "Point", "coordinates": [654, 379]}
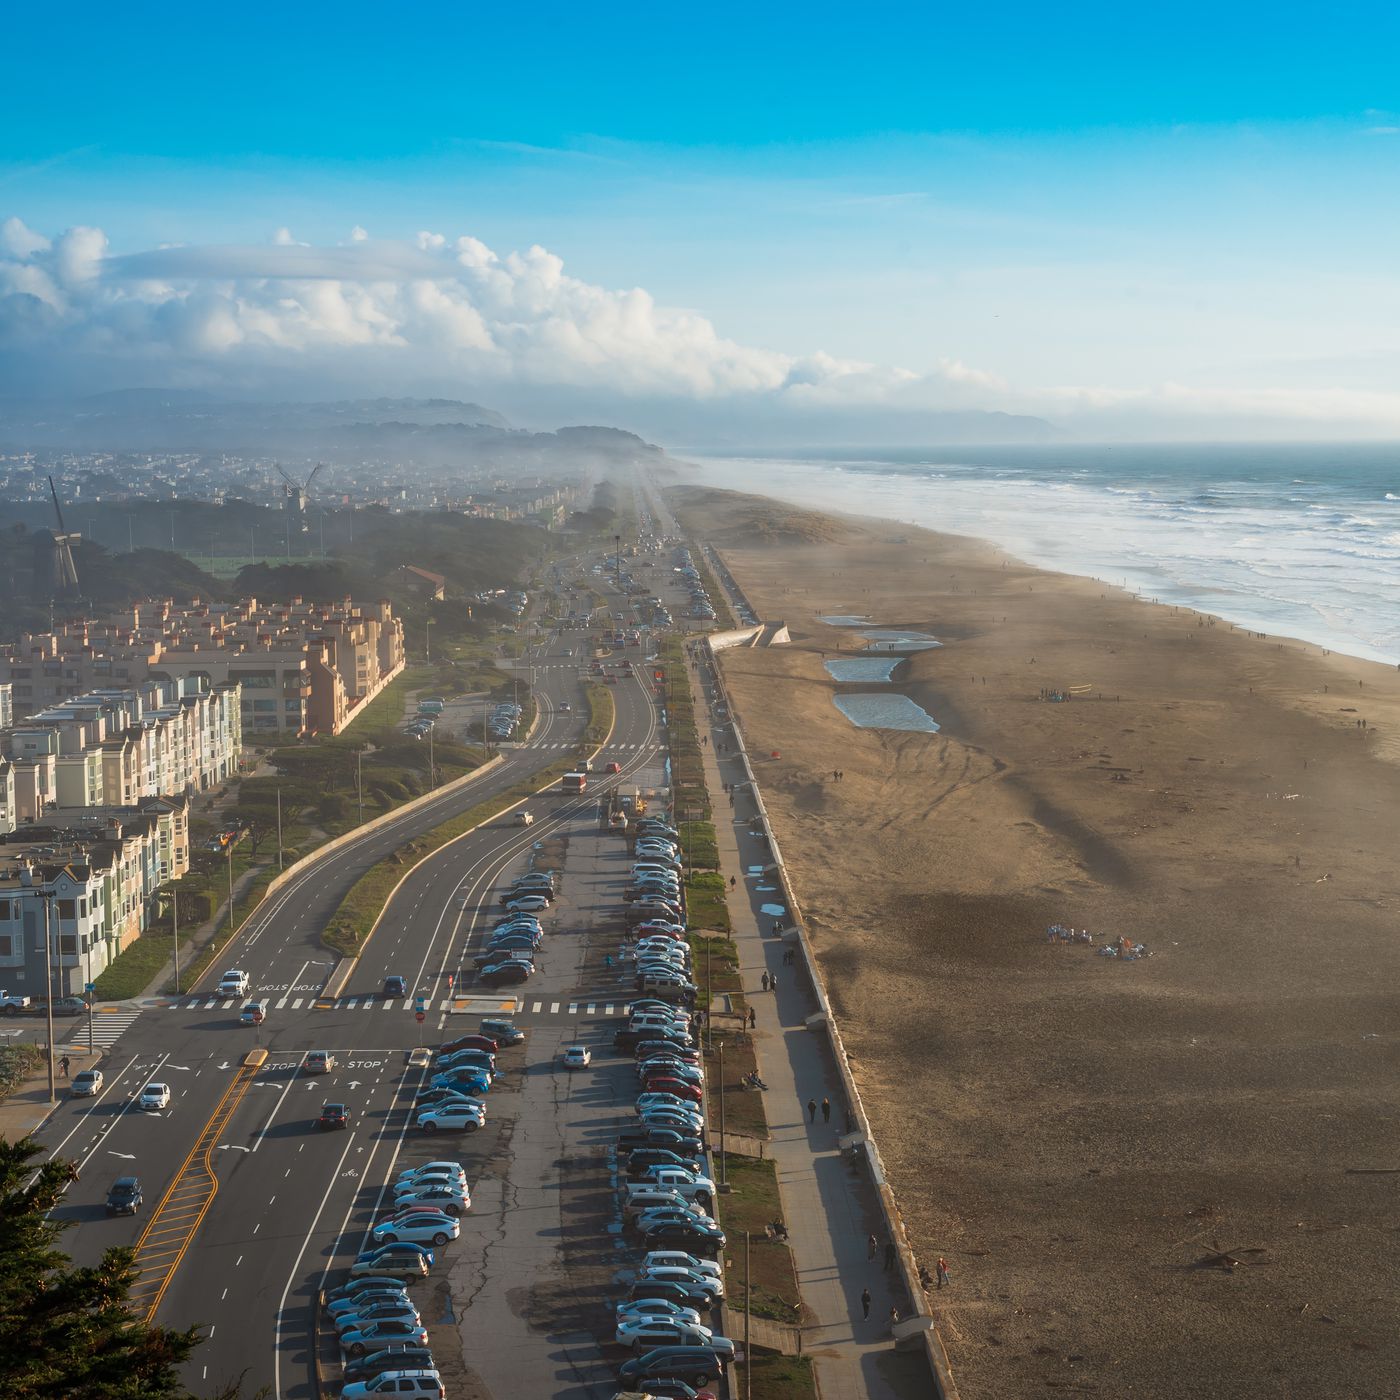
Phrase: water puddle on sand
{"type": "Point", "coordinates": [876, 711]}
{"type": "Point", "coordinates": [888, 647]}
{"type": "Point", "coordinates": [872, 670]}
{"type": "Point", "coordinates": [846, 620]}
{"type": "Point", "coordinates": [773, 910]}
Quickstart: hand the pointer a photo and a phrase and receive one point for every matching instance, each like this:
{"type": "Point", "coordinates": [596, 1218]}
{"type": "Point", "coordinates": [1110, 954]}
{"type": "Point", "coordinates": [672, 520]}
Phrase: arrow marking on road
{"type": "Point", "coordinates": [225, 1065]}
{"type": "Point", "coordinates": [130, 1156]}
{"type": "Point", "coordinates": [353, 1084]}
{"type": "Point", "coordinates": [231, 1147]}
{"type": "Point", "coordinates": [177, 1067]}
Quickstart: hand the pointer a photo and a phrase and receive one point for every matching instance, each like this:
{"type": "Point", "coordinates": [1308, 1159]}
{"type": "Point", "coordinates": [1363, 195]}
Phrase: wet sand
{"type": "Point", "coordinates": [1080, 1136]}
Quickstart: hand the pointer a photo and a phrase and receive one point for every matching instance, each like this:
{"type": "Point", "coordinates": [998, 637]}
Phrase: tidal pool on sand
{"type": "Point", "coordinates": [861, 668]}
{"type": "Point", "coordinates": [846, 620]}
{"type": "Point", "coordinates": [876, 711]}
{"type": "Point", "coordinates": [888, 647]}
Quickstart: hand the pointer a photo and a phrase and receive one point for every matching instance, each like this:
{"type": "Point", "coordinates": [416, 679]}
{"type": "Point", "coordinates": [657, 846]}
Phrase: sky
{"type": "Point", "coordinates": [791, 221]}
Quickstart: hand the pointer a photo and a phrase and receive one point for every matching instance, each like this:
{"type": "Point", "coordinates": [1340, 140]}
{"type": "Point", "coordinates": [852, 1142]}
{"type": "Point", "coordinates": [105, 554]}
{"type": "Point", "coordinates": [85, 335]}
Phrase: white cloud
{"type": "Point", "coordinates": [452, 305]}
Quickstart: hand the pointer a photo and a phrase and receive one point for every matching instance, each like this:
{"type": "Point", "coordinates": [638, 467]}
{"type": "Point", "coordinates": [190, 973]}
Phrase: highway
{"type": "Point", "coordinates": [249, 1209]}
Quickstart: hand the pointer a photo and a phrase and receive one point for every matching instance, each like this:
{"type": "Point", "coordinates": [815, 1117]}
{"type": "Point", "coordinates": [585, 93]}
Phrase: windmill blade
{"type": "Point", "coordinates": [292, 487]}
{"type": "Point", "coordinates": [315, 472]}
{"type": "Point", "coordinates": [57, 509]}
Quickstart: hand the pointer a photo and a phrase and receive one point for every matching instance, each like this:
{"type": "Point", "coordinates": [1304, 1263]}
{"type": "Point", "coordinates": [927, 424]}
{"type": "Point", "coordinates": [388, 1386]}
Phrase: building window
{"type": "Point", "coordinates": [7, 945]}
{"type": "Point", "coordinates": [5, 909]}
{"type": "Point", "coordinates": [66, 909]}
{"type": "Point", "coordinates": [68, 945]}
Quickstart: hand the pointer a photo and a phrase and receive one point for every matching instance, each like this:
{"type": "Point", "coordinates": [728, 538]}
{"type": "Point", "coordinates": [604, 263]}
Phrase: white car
{"type": "Point", "coordinates": [528, 904]}
{"type": "Point", "coordinates": [462, 1119]}
{"type": "Point", "coordinates": [452, 1199]}
{"type": "Point", "coordinates": [524, 819]}
{"type": "Point", "coordinates": [679, 1259]}
{"type": "Point", "coordinates": [234, 983]}
{"type": "Point", "coordinates": [154, 1096]}
{"type": "Point", "coordinates": [577, 1057]}
{"type": "Point", "coordinates": [418, 1227]}
{"type": "Point", "coordinates": [643, 1333]}
{"type": "Point", "coordinates": [86, 1083]}
{"type": "Point", "coordinates": [433, 1171]}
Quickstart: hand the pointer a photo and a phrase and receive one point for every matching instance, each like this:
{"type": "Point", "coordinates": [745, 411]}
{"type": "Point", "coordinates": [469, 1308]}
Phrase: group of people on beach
{"type": "Point", "coordinates": [1122, 947]}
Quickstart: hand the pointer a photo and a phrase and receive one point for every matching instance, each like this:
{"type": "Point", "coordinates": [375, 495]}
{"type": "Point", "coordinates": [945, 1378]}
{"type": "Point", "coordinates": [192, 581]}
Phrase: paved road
{"type": "Point", "coordinates": [263, 1206]}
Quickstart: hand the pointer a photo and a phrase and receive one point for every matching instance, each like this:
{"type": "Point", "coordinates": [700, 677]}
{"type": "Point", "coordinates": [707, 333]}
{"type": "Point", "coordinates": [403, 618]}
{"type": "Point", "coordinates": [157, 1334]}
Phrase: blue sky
{"type": "Point", "coordinates": [1179, 216]}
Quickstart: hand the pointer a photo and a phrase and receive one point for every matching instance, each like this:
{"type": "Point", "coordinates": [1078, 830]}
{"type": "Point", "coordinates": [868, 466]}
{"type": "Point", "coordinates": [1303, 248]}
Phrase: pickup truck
{"type": "Point", "coordinates": [12, 1005]}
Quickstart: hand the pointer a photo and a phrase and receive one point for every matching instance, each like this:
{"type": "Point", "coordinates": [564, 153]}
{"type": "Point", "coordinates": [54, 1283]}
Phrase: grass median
{"type": "Point", "coordinates": [350, 925]}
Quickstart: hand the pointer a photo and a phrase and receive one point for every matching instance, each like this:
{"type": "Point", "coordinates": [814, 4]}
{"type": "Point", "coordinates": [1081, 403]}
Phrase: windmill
{"type": "Point", "coordinates": [55, 574]}
{"type": "Point", "coordinates": [297, 493]}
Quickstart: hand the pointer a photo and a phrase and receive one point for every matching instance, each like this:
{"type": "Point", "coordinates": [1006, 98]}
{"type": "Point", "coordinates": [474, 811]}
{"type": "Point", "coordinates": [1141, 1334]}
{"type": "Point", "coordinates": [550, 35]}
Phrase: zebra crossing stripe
{"type": "Point", "coordinates": [296, 1005]}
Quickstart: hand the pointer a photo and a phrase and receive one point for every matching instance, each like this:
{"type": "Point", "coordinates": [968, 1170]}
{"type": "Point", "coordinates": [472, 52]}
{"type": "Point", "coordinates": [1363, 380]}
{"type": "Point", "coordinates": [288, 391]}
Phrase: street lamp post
{"type": "Point", "coordinates": [47, 896]}
{"type": "Point", "coordinates": [174, 938]}
{"type": "Point", "coordinates": [359, 786]}
{"type": "Point", "coordinates": [232, 921]}
{"type": "Point", "coordinates": [723, 1162]}
{"type": "Point", "coordinates": [428, 639]}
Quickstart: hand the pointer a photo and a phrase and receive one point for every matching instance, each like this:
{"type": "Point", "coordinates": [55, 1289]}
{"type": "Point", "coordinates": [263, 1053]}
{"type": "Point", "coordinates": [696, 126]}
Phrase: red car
{"type": "Point", "coordinates": [614, 768]}
{"type": "Point", "coordinates": [469, 1042]}
{"type": "Point", "coordinates": [678, 1088]}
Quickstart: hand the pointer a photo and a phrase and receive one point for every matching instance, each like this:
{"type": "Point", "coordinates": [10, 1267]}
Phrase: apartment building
{"type": "Point", "coordinates": [85, 891]}
{"type": "Point", "coordinates": [117, 747]}
{"type": "Point", "coordinates": [302, 668]}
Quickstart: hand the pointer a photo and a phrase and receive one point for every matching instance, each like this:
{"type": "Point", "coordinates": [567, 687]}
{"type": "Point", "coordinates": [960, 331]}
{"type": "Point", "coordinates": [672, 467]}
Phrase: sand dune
{"type": "Point", "coordinates": [1077, 1135]}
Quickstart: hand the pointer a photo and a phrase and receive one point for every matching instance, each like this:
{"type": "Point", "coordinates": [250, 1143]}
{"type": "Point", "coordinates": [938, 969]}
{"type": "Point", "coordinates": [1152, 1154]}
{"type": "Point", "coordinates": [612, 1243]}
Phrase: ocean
{"type": "Point", "coordinates": [1294, 540]}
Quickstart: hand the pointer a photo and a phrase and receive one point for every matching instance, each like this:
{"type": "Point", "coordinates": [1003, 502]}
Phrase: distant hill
{"type": "Point", "coordinates": [433, 432]}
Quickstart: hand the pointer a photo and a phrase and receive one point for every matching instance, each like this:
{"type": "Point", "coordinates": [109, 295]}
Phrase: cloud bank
{"type": "Point", "coordinates": [450, 315]}
{"type": "Point", "coordinates": [439, 306]}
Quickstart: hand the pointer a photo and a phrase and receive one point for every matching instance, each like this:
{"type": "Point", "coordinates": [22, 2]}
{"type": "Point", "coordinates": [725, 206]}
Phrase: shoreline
{"type": "Point", "coordinates": [1147, 583]}
{"type": "Point", "coordinates": [1073, 1132]}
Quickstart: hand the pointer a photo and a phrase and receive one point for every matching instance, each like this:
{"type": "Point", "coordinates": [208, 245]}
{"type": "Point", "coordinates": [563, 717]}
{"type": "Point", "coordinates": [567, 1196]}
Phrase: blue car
{"type": "Point", "coordinates": [472, 1083]}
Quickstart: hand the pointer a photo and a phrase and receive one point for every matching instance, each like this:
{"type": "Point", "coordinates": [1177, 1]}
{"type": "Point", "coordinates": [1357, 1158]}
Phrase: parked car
{"type": "Point", "coordinates": [470, 1042]}
{"type": "Point", "coordinates": [401, 1385]}
{"type": "Point", "coordinates": [452, 1118]}
{"type": "Point", "coordinates": [386, 1261]}
{"type": "Point", "coordinates": [504, 1032]}
{"type": "Point", "coordinates": [397, 1356]}
{"type": "Point", "coordinates": [418, 1226]}
{"type": "Point", "coordinates": [689, 1363]}
{"type": "Point", "coordinates": [450, 1199]}
{"type": "Point", "coordinates": [655, 1307]}
{"type": "Point", "coordinates": [689, 1235]}
{"type": "Point", "coordinates": [505, 973]}
{"type": "Point", "coordinates": [645, 1333]}
{"type": "Point", "coordinates": [373, 1336]}
{"type": "Point", "coordinates": [677, 1259]}
{"type": "Point", "coordinates": [351, 1304]}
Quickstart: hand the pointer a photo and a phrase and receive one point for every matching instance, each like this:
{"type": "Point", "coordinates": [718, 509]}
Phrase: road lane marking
{"type": "Point", "coordinates": [296, 1265]}
{"type": "Point", "coordinates": [292, 1080]}
{"type": "Point", "coordinates": [192, 1191]}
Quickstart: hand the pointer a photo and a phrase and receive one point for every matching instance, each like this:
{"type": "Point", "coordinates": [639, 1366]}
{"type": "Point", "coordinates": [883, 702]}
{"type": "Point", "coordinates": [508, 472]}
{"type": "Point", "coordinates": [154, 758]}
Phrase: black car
{"type": "Point", "coordinates": [670, 1388]}
{"type": "Point", "coordinates": [685, 1295]}
{"type": "Point", "coordinates": [629, 1039]}
{"type": "Point", "coordinates": [505, 973]}
{"type": "Point", "coordinates": [698, 1364]}
{"type": "Point", "coordinates": [674, 1139]}
{"type": "Point", "coordinates": [690, 1235]}
{"type": "Point", "coordinates": [125, 1197]}
{"type": "Point", "coordinates": [395, 987]}
{"type": "Point", "coordinates": [333, 1115]}
{"type": "Point", "coordinates": [398, 1356]}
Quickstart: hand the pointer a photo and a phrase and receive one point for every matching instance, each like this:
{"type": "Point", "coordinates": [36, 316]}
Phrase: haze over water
{"type": "Point", "coordinates": [1295, 540]}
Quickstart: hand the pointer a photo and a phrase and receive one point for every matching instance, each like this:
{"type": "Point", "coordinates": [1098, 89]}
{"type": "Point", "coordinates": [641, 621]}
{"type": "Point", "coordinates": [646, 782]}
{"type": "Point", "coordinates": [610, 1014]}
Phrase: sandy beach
{"type": "Point", "coordinates": [1168, 1177]}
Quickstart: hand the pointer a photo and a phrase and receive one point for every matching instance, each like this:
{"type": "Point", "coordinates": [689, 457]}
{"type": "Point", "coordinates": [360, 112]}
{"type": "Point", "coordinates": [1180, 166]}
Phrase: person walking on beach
{"type": "Point", "coordinates": [826, 1110]}
{"type": "Point", "coordinates": [942, 1268]}
{"type": "Point", "coordinates": [865, 1303]}
{"type": "Point", "coordinates": [811, 1110]}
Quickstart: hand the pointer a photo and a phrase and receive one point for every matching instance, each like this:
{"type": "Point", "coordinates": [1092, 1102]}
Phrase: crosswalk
{"type": "Point", "coordinates": [484, 1006]}
{"type": "Point", "coordinates": [573, 744]}
{"type": "Point", "coordinates": [108, 1026]}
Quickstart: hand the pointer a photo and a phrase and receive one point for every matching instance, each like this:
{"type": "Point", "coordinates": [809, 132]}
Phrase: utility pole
{"type": "Point", "coordinates": [723, 1162]}
{"type": "Point", "coordinates": [175, 938]}
{"type": "Point", "coordinates": [232, 922]}
{"type": "Point", "coordinates": [432, 762]}
{"type": "Point", "coordinates": [428, 640]}
{"type": "Point", "coordinates": [47, 897]}
{"type": "Point", "coordinates": [360, 786]}
{"type": "Point", "coordinates": [748, 1313]}
{"type": "Point", "coordinates": [279, 827]}
{"type": "Point", "coordinates": [87, 985]}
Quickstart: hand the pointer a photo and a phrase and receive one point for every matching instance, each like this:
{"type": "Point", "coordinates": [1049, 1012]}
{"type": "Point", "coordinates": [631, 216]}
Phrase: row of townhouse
{"type": "Point", "coordinates": [305, 668]}
{"type": "Point", "coordinates": [114, 748]}
{"type": "Point", "coordinates": [84, 890]}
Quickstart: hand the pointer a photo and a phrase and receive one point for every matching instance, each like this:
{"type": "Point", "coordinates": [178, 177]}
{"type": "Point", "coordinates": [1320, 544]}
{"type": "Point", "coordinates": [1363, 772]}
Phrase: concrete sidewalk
{"type": "Point", "coordinates": [830, 1208]}
{"type": "Point", "coordinates": [27, 1109]}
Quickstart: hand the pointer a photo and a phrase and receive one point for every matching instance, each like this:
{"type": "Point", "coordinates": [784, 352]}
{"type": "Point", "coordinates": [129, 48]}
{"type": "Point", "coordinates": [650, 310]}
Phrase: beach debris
{"type": "Point", "coordinates": [1228, 1259]}
{"type": "Point", "coordinates": [1372, 1171]}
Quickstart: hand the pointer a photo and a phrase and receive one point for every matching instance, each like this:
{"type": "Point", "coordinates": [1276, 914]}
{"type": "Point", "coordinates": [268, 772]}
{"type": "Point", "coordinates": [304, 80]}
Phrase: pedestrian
{"type": "Point", "coordinates": [63, 1065]}
{"type": "Point", "coordinates": [872, 1246]}
{"type": "Point", "coordinates": [763, 981]}
{"type": "Point", "coordinates": [942, 1268]}
{"type": "Point", "coordinates": [865, 1303]}
{"type": "Point", "coordinates": [733, 881]}
{"type": "Point", "coordinates": [811, 1110]}
{"type": "Point", "coordinates": [773, 982]}
{"type": "Point", "coordinates": [889, 1255]}
{"type": "Point", "coordinates": [894, 1317]}
{"type": "Point", "coordinates": [753, 1018]}
{"type": "Point", "coordinates": [826, 1110]}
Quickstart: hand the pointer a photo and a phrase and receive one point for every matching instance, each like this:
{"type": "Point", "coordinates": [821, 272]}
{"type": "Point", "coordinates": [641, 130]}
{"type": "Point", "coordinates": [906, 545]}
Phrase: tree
{"type": "Point", "coordinates": [66, 1333]}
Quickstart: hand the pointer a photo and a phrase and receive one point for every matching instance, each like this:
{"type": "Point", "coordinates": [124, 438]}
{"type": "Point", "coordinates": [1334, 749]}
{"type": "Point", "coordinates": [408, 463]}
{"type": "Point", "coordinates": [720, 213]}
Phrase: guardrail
{"type": "Point", "coordinates": [922, 1323]}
